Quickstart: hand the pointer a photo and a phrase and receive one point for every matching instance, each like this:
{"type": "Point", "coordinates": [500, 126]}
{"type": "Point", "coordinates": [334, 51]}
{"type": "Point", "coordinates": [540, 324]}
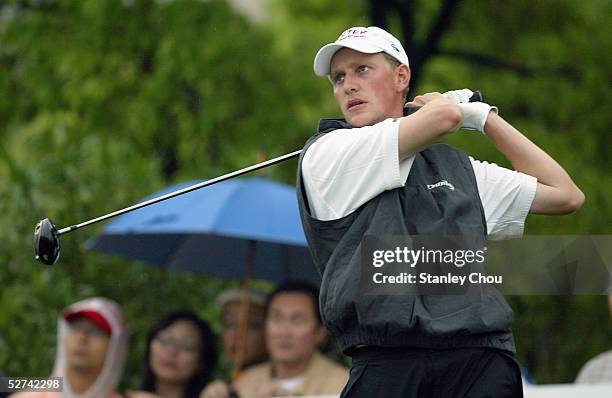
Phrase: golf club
{"type": "Point", "coordinates": [46, 234]}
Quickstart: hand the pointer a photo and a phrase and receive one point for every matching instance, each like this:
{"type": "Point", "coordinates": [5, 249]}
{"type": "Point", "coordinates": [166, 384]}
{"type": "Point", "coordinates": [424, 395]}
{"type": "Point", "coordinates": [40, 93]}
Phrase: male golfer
{"type": "Point", "coordinates": [376, 172]}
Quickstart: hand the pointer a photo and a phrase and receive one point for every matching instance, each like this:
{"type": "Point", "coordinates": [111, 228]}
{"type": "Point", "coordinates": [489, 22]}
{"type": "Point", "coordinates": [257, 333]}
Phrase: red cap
{"type": "Point", "coordinates": [94, 316]}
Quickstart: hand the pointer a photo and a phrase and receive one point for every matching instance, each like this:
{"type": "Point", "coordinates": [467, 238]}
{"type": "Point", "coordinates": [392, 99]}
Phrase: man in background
{"type": "Point", "coordinates": [91, 348]}
{"type": "Point", "coordinates": [253, 350]}
{"type": "Point", "coordinates": [293, 332]}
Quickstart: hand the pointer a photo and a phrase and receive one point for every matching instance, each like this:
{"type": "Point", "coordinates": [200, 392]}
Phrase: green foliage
{"type": "Point", "coordinates": [104, 102]}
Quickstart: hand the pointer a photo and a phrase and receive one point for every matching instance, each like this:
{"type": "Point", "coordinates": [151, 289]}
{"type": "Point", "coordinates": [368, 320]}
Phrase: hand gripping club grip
{"type": "Point", "coordinates": [476, 97]}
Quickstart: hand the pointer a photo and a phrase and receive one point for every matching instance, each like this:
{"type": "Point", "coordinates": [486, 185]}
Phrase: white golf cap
{"type": "Point", "coordinates": [368, 40]}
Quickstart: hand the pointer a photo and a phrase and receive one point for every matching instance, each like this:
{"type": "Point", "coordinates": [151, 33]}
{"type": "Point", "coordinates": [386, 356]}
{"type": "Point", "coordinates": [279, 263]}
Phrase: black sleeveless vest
{"type": "Point", "coordinates": [426, 321]}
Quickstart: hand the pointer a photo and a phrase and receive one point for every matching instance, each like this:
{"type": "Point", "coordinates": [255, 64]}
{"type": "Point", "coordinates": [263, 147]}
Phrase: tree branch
{"type": "Point", "coordinates": [419, 53]}
{"type": "Point", "coordinates": [378, 13]}
{"type": "Point", "coordinates": [492, 62]}
{"type": "Point", "coordinates": [442, 24]}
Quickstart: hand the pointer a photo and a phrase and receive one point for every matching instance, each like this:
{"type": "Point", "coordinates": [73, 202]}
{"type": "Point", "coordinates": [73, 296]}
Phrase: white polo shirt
{"type": "Point", "coordinates": [344, 169]}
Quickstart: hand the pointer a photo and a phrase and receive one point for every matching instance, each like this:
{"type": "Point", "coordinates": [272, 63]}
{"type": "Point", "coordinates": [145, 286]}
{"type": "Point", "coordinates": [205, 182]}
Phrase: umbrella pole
{"type": "Point", "coordinates": [244, 313]}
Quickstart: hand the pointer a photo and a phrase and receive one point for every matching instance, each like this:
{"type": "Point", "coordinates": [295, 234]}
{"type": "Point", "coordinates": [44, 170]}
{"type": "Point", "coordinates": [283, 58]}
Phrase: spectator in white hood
{"type": "Point", "coordinates": [92, 343]}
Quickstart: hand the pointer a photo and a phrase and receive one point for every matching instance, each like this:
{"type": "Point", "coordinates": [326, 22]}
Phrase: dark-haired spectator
{"type": "Point", "coordinates": [293, 333]}
{"type": "Point", "coordinates": [180, 358]}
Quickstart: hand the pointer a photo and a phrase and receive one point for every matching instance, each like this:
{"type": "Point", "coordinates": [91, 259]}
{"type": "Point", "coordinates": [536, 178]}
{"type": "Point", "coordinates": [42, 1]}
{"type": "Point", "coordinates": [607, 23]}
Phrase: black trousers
{"type": "Point", "coordinates": [432, 373]}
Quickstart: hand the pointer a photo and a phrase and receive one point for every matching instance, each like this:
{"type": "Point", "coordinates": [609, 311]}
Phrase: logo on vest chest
{"type": "Point", "coordinates": [442, 183]}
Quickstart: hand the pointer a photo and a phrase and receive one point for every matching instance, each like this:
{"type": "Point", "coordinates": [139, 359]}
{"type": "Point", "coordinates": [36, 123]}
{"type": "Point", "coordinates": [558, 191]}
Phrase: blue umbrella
{"type": "Point", "coordinates": [239, 228]}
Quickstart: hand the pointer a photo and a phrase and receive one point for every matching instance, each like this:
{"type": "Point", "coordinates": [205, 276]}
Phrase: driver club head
{"type": "Point", "coordinates": [46, 242]}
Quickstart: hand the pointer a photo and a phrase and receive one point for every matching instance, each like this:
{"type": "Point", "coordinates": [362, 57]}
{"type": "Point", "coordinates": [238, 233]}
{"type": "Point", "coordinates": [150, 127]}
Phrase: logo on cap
{"type": "Point", "coordinates": [353, 32]}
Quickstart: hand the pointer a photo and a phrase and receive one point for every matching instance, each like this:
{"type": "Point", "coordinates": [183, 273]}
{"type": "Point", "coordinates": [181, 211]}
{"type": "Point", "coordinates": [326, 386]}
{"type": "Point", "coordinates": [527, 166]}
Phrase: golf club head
{"type": "Point", "coordinates": [46, 242]}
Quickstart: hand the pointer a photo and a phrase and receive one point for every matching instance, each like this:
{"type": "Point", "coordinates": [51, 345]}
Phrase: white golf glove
{"type": "Point", "coordinates": [474, 113]}
{"type": "Point", "coordinates": [459, 96]}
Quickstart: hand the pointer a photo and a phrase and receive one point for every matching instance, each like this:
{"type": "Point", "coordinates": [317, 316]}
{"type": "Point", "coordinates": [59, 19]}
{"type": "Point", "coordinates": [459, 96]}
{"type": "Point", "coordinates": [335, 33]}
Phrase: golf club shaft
{"type": "Point", "coordinates": [477, 97]}
{"type": "Point", "coordinates": [182, 191]}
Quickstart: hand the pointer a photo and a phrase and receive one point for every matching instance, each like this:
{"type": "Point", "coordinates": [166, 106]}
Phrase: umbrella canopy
{"type": "Point", "coordinates": [214, 230]}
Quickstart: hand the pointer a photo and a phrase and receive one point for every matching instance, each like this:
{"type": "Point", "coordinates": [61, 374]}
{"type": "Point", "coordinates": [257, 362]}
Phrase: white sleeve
{"type": "Point", "coordinates": [345, 168]}
{"type": "Point", "coordinates": [506, 197]}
